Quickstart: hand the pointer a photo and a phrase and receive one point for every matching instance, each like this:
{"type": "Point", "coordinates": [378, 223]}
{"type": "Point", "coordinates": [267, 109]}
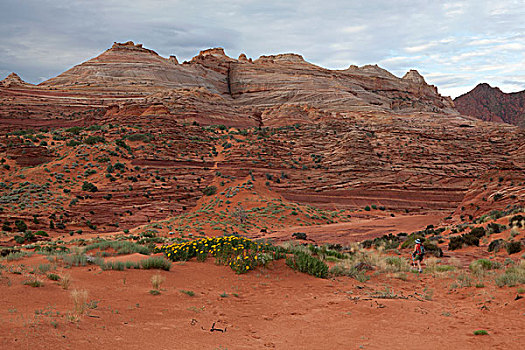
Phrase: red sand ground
{"type": "Point", "coordinates": [267, 308]}
{"type": "Point", "coordinates": [272, 307]}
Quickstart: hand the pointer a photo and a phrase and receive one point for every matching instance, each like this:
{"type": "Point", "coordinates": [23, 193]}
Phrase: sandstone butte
{"type": "Point", "coordinates": [340, 139]}
{"type": "Point", "coordinates": [134, 147]}
{"type": "Point", "coordinates": [491, 104]}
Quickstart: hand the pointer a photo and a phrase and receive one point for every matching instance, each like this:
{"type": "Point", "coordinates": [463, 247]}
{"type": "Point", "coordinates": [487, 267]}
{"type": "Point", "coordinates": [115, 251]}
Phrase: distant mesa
{"type": "Point", "coordinates": [285, 57]}
{"type": "Point", "coordinates": [491, 104]}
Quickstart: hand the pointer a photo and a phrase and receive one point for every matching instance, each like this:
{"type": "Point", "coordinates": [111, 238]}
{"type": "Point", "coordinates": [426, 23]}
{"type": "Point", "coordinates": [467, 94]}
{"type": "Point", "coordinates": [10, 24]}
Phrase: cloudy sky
{"type": "Point", "coordinates": [454, 44]}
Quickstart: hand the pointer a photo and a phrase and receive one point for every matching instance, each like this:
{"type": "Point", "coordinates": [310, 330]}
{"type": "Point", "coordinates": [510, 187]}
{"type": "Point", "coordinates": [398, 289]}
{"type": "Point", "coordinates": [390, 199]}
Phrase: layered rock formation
{"type": "Point", "coordinates": [13, 80]}
{"type": "Point", "coordinates": [132, 77]}
{"type": "Point", "coordinates": [491, 104]}
{"type": "Point", "coordinates": [329, 138]}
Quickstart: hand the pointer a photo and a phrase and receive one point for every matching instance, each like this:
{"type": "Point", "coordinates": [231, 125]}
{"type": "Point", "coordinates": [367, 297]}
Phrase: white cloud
{"type": "Point", "coordinates": [353, 29]}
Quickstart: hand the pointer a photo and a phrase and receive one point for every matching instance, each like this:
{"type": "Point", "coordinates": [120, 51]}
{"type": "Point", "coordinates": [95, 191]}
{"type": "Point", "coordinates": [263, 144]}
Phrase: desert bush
{"type": "Point", "coordinates": [155, 263]}
{"type": "Point", "coordinates": [464, 280]}
{"type": "Point", "coordinates": [303, 262]}
{"type": "Point", "coordinates": [323, 252]}
{"type": "Point", "coordinates": [495, 228]}
{"type": "Point", "coordinates": [496, 245]}
{"type": "Point", "coordinates": [6, 226]}
{"type": "Point", "coordinates": [433, 264]}
{"type": "Point", "coordinates": [53, 277]}
{"type": "Point", "coordinates": [477, 232]}
{"type": "Point", "coordinates": [113, 265]}
{"type": "Point", "coordinates": [481, 332]}
{"type": "Point", "coordinates": [91, 140]}
{"type": "Point", "coordinates": [19, 239]}
{"type": "Point", "coordinates": [299, 235]}
{"type": "Point", "coordinates": [517, 221]}
{"type": "Point", "coordinates": [480, 266]}
{"type": "Point", "coordinates": [433, 249]}
{"type": "Point", "coordinates": [89, 187]}
{"type": "Point", "coordinates": [513, 247]}
{"type": "Point", "coordinates": [139, 137]}
{"type": "Point", "coordinates": [468, 239]}
{"type": "Point", "coordinates": [348, 268]}
{"type": "Point", "coordinates": [20, 225]}
{"type": "Point", "coordinates": [120, 247]}
{"type": "Point", "coordinates": [74, 259]}
{"type": "Point", "coordinates": [209, 191]}
{"type": "Point", "coordinates": [33, 282]}
{"type": "Point", "coordinates": [16, 255]}
{"type": "Point", "coordinates": [387, 241]}
{"type": "Point", "coordinates": [512, 276]}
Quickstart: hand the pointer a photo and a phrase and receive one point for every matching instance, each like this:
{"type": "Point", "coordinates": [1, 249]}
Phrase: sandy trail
{"type": "Point", "coordinates": [357, 230]}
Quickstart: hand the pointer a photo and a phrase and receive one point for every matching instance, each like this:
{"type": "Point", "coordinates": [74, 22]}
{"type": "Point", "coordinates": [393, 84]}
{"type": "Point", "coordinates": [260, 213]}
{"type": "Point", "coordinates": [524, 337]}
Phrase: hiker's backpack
{"type": "Point", "coordinates": [421, 250]}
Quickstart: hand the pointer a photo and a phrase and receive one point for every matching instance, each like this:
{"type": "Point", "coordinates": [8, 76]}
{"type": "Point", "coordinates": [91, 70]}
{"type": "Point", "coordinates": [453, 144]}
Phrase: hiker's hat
{"type": "Point", "coordinates": [418, 241]}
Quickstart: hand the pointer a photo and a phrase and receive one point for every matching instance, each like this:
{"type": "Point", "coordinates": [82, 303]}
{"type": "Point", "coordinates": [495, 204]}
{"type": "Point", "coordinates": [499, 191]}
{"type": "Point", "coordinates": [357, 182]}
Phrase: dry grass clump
{"type": "Point", "coordinates": [65, 281]}
{"type": "Point", "coordinates": [156, 281]}
{"type": "Point", "coordinates": [361, 260]}
{"type": "Point", "coordinates": [80, 304]}
{"type": "Point", "coordinates": [514, 275]}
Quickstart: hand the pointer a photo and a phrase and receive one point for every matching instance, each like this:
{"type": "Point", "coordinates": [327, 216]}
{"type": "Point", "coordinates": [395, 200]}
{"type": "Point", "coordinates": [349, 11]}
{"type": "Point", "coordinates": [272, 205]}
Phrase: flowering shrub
{"type": "Point", "coordinates": [240, 253]}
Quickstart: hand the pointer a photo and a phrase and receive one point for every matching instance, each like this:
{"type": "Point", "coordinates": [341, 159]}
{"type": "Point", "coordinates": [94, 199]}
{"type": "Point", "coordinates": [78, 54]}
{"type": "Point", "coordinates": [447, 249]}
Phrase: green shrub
{"type": "Point", "coordinates": [481, 332]}
{"type": "Point", "coordinates": [120, 247]}
{"type": "Point", "coordinates": [91, 140]}
{"type": "Point", "coordinates": [74, 259]}
{"type": "Point", "coordinates": [306, 263]}
{"type": "Point", "coordinates": [53, 277]}
{"type": "Point", "coordinates": [156, 262]}
{"type": "Point", "coordinates": [517, 220]}
{"type": "Point", "coordinates": [345, 269]}
{"type": "Point", "coordinates": [209, 191]}
{"type": "Point", "coordinates": [513, 247]}
{"type": "Point", "coordinates": [478, 232]}
{"type": "Point", "coordinates": [481, 265]}
{"type": "Point", "coordinates": [6, 226]}
{"type": "Point", "coordinates": [496, 245]}
{"type": "Point", "coordinates": [468, 239]}
{"type": "Point", "coordinates": [113, 265]}
{"type": "Point", "coordinates": [33, 282]}
{"type": "Point", "coordinates": [139, 137]}
{"type": "Point", "coordinates": [188, 292]}
{"type": "Point", "coordinates": [72, 143]}
{"type": "Point", "coordinates": [513, 276]}
{"type": "Point", "coordinates": [89, 187]}
{"type": "Point", "coordinates": [20, 225]}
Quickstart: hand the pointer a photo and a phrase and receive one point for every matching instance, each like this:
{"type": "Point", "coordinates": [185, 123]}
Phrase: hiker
{"type": "Point", "coordinates": [417, 255]}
